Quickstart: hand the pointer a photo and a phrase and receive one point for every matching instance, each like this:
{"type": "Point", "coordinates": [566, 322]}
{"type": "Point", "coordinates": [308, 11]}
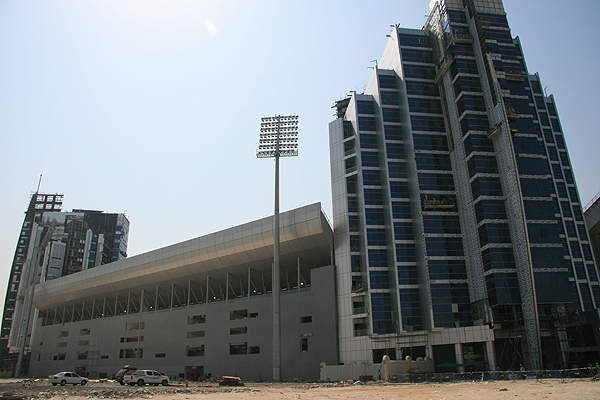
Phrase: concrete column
{"type": "Point", "coordinates": [298, 274]}
{"type": "Point", "coordinates": [491, 356]}
{"type": "Point", "coordinates": [172, 294]}
{"type": "Point", "coordinates": [227, 287]}
{"type": "Point", "coordinates": [459, 356]}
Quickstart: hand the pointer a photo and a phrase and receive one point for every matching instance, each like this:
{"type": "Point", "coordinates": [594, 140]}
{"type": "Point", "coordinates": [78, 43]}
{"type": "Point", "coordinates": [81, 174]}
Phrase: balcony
{"type": "Point", "coordinates": [359, 310]}
{"type": "Point", "coordinates": [361, 332]}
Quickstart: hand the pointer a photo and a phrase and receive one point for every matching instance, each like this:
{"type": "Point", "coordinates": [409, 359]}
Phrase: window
{"type": "Point", "coordinates": [474, 122]}
{"type": "Point", "coordinates": [482, 164]}
{"type": "Point", "coordinates": [376, 237]}
{"type": "Point", "coordinates": [238, 314]}
{"type": "Point", "coordinates": [444, 246]}
{"type": "Point", "coordinates": [397, 170]}
{"type": "Point", "coordinates": [443, 182]}
{"type": "Point", "coordinates": [379, 279]}
{"type": "Point", "coordinates": [401, 210]}
{"type": "Point", "coordinates": [369, 159]}
{"type": "Point", "coordinates": [374, 216]}
{"type": "Point", "coordinates": [366, 124]}
{"type": "Point", "coordinates": [132, 339]}
{"type": "Point", "coordinates": [387, 81]}
{"type": "Point", "coordinates": [441, 224]}
{"type": "Point", "coordinates": [447, 269]}
{"type": "Point", "coordinates": [84, 331]}
{"type": "Point", "coordinates": [134, 326]}
{"type": "Point", "coordinates": [428, 106]}
{"type": "Point", "coordinates": [238, 348]}
{"type": "Point", "coordinates": [196, 319]}
{"type": "Point", "coordinates": [486, 186]}
{"type": "Point", "coordinates": [195, 334]}
{"type": "Point", "coordinates": [365, 107]}
{"type": "Point", "coordinates": [130, 353]}
{"type": "Point", "coordinates": [373, 197]}
{"type": "Point", "coordinates": [306, 320]}
{"type": "Point", "coordinates": [63, 334]}
{"type": "Point", "coordinates": [395, 150]}
{"type": "Point", "coordinates": [419, 71]}
{"type": "Point", "coordinates": [392, 132]}
{"type": "Point", "coordinates": [403, 231]}
{"type": "Point", "coordinates": [430, 142]}
{"type": "Point", "coordinates": [467, 84]}
{"type": "Point", "coordinates": [82, 355]}
{"type": "Point", "coordinates": [477, 143]}
{"type": "Point", "coordinates": [160, 355]}
{"type": "Point", "coordinates": [423, 123]}
{"type": "Point", "coordinates": [433, 161]}
{"type": "Point", "coordinates": [417, 88]}
{"type": "Point", "coordinates": [494, 233]}
{"type": "Point", "coordinates": [84, 342]}
{"type": "Point", "coordinates": [61, 344]}
{"type": "Point", "coordinates": [195, 351]}
{"type": "Point", "coordinates": [238, 331]}
{"type": "Point", "coordinates": [368, 141]}
{"type": "Point", "coordinates": [304, 344]}
{"type": "Point", "coordinates": [390, 115]}
{"type": "Point", "coordinates": [490, 209]}
{"type": "Point", "coordinates": [254, 350]}
{"type": "Point", "coordinates": [415, 55]}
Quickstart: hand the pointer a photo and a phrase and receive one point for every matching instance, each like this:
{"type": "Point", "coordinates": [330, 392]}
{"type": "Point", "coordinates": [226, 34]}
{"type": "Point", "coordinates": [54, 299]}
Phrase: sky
{"type": "Point", "coordinates": [152, 107]}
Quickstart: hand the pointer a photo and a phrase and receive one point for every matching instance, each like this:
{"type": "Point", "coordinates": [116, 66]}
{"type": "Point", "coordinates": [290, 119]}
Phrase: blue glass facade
{"type": "Point", "coordinates": [460, 200]}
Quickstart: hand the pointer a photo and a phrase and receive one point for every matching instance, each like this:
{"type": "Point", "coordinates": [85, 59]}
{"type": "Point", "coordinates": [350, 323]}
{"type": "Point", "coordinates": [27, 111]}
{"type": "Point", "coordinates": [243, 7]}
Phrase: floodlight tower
{"type": "Point", "coordinates": [278, 138]}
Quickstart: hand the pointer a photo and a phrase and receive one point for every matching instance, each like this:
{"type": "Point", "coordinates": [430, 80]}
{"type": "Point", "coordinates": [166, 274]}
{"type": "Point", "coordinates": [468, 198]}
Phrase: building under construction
{"type": "Point", "coordinates": [455, 206]}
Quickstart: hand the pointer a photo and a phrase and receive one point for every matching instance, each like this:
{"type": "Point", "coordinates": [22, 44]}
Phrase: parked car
{"type": "Point", "coordinates": [67, 377]}
{"type": "Point", "coordinates": [123, 371]}
{"type": "Point", "coordinates": [145, 376]}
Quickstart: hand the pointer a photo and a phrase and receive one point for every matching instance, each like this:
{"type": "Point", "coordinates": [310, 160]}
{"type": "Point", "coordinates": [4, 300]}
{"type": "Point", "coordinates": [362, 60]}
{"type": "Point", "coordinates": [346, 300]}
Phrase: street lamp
{"type": "Point", "coordinates": [278, 138]}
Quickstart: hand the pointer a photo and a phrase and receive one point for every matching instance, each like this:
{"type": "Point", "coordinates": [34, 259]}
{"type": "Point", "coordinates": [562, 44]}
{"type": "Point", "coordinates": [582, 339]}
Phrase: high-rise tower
{"type": "Point", "coordinates": [38, 204]}
{"type": "Point", "coordinates": [459, 232]}
{"type": "Point", "coordinates": [54, 244]}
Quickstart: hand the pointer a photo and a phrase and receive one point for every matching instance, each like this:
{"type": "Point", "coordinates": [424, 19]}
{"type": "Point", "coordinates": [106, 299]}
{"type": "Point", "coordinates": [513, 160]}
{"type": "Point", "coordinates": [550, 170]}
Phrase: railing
{"type": "Point", "coordinates": [351, 151]}
{"type": "Point", "coordinates": [591, 203]}
{"type": "Point", "coordinates": [361, 332]}
{"type": "Point", "coordinates": [351, 169]}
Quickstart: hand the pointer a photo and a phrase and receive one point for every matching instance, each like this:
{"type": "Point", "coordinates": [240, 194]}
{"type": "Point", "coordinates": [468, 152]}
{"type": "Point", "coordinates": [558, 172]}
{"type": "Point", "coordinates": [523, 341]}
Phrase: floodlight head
{"type": "Point", "coordinates": [278, 137]}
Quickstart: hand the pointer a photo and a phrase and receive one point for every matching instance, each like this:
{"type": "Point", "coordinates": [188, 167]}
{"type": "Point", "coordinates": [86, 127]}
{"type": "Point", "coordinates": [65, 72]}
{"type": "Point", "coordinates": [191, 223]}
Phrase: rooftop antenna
{"type": "Point", "coordinates": [39, 183]}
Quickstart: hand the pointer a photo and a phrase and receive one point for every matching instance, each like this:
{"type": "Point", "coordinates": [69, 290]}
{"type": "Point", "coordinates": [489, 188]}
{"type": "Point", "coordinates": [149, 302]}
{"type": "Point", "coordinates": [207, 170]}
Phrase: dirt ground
{"type": "Point", "coordinates": [496, 390]}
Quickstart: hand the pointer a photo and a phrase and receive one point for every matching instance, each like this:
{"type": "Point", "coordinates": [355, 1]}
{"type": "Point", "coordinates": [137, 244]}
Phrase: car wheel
{"type": "Point", "coordinates": [54, 384]}
{"type": "Point", "coordinates": [165, 383]}
{"type": "Point", "coordinates": [122, 383]}
{"type": "Point", "coordinates": [131, 383]}
{"type": "Point", "coordinates": [83, 383]}
{"type": "Point", "coordinates": [63, 383]}
{"type": "Point", "coordinates": [141, 382]}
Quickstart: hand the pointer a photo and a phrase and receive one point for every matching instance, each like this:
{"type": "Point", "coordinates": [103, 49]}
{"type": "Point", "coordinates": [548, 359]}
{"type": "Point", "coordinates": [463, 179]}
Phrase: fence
{"type": "Point", "coordinates": [575, 373]}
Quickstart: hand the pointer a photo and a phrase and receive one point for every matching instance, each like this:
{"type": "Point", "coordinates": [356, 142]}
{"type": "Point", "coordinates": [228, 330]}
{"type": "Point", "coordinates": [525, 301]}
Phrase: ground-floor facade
{"type": "Point", "coordinates": [232, 337]}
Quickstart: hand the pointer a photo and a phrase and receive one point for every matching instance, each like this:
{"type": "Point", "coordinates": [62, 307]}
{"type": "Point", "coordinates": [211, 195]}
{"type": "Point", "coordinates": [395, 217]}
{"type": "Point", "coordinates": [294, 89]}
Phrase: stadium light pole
{"type": "Point", "coordinates": [278, 138]}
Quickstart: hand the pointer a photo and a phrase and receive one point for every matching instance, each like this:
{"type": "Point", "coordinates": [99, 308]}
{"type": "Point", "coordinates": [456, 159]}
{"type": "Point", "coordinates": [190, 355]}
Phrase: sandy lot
{"type": "Point", "coordinates": [530, 389]}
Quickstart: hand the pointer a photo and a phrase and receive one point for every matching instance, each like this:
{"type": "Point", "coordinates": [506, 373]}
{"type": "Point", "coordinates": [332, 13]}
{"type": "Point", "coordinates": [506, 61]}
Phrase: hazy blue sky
{"type": "Point", "coordinates": [153, 108]}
